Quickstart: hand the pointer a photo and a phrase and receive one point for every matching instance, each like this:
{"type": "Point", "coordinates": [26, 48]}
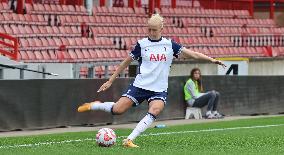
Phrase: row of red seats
{"type": "Point", "coordinates": [97, 10]}
{"type": "Point", "coordinates": [89, 43]}
{"type": "Point", "coordinates": [228, 22]}
{"type": "Point", "coordinates": [94, 55]}
{"type": "Point", "coordinates": [73, 55]}
{"type": "Point", "coordinates": [180, 3]}
{"type": "Point", "coordinates": [233, 51]}
{"type": "Point", "coordinates": [118, 31]}
{"type": "Point", "coordinates": [118, 11]}
{"type": "Point", "coordinates": [102, 20]}
{"type": "Point", "coordinates": [142, 31]}
{"type": "Point", "coordinates": [4, 7]}
{"type": "Point", "coordinates": [278, 51]}
{"type": "Point", "coordinates": [229, 31]}
{"type": "Point", "coordinates": [206, 41]}
{"type": "Point", "coordinates": [26, 19]}
{"type": "Point", "coordinates": [199, 12]}
{"type": "Point", "coordinates": [40, 31]}
{"type": "Point", "coordinates": [56, 9]}
{"type": "Point", "coordinates": [129, 42]}
{"type": "Point", "coordinates": [70, 43]}
{"type": "Point", "coordinates": [83, 55]}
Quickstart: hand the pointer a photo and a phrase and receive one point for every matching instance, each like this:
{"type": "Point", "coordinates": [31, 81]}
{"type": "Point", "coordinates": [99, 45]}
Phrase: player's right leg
{"type": "Point", "coordinates": [121, 106]}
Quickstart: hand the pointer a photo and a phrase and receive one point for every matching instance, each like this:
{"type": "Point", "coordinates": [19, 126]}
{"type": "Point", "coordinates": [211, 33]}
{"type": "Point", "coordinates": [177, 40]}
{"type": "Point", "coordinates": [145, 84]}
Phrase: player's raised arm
{"type": "Point", "coordinates": [187, 53]}
{"type": "Point", "coordinates": [120, 68]}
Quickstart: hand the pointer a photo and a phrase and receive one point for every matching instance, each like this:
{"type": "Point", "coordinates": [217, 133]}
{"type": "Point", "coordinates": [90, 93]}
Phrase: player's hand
{"type": "Point", "coordinates": [105, 86]}
{"type": "Point", "coordinates": [219, 63]}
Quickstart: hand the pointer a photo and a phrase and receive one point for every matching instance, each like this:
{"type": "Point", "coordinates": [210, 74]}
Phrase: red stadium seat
{"type": "Point", "coordinates": [86, 54]}
{"type": "Point", "coordinates": [65, 9]}
{"type": "Point", "coordinates": [72, 54]}
{"type": "Point", "coordinates": [31, 55]}
{"type": "Point", "coordinates": [40, 8]}
{"type": "Point", "coordinates": [93, 55]}
{"type": "Point", "coordinates": [52, 55]}
{"type": "Point", "coordinates": [100, 55]}
{"type": "Point", "coordinates": [79, 42]}
{"type": "Point", "coordinates": [45, 55]}
{"type": "Point", "coordinates": [71, 41]}
{"type": "Point", "coordinates": [4, 7]}
{"type": "Point", "coordinates": [91, 42]}
{"type": "Point", "coordinates": [79, 54]}
{"type": "Point", "coordinates": [118, 54]}
{"type": "Point", "coordinates": [23, 55]}
{"type": "Point", "coordinates": [71, 9]}
{"type": "Point", "coordinates": [64, 41]}
{"type": "Point", "coordinates": [140, 11]}
{"type": "Point", "coordinates": [106, 54]}
{"type": "Point", "coordinates": [47, 8]}
{"type": "Point", "coordinates": [44, 43]}
{"type": "Point", "coordinates": [38, 56]}
{"type": "Point", "coordinates": [24, 44]}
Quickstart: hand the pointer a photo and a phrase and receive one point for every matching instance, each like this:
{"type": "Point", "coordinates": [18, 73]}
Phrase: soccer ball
{"type": "Point", "coordinates": [106, 137]}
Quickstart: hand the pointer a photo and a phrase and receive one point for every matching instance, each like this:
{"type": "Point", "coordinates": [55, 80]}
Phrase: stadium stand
{"type": "Point", "coordinates": [66, 33]}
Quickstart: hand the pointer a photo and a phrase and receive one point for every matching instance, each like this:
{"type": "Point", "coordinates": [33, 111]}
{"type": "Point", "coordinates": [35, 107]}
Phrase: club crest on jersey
{"type": "Point", "coordinates": [158, 57]}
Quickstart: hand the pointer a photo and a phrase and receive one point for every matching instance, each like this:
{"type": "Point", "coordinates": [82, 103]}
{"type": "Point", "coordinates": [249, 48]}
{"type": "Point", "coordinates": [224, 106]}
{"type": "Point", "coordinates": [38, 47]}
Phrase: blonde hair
{"type": "Point", "coordinates": [156, 19]}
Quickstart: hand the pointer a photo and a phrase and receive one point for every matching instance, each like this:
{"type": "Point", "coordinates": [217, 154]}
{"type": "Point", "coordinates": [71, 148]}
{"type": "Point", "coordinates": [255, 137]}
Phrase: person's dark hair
{"type": "Point", "coordinates": [199, 81]}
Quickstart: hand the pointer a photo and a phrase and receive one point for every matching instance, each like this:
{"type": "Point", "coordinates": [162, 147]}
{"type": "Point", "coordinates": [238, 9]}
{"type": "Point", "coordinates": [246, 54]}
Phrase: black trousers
{"type": "Point", "coordinates": [210, 99]}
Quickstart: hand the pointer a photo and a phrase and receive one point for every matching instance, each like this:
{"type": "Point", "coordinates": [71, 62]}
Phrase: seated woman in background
{"type": "Point", "coordinates": [194, 97]}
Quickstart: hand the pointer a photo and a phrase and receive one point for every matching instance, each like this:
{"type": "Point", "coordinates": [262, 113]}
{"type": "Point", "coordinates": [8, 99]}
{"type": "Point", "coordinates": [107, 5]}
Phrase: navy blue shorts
{"type": "Point", "coordinates": [138, 95]}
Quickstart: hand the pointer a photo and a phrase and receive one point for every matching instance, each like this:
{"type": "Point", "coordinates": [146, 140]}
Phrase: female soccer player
{"type": "Point", "coordinates": [195, 98]}
{"type": "Point", "coordinates": [154, 54]}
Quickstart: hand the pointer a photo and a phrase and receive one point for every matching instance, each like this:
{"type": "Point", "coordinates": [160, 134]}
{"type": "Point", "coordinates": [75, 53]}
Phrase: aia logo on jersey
{"type": "Point", "coordinates": [158, 57]}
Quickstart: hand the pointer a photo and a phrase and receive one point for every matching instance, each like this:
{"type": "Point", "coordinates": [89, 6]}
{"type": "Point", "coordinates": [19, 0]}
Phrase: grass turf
{"type": "Point", "coordinates": [269, 140]}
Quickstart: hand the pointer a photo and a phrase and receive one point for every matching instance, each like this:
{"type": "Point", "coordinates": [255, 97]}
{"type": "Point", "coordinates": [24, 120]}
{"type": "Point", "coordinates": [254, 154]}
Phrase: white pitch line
{"type": "Point", "coordinates": [143, 135]}
{"type": "Point", "coordinates": [211, 130]}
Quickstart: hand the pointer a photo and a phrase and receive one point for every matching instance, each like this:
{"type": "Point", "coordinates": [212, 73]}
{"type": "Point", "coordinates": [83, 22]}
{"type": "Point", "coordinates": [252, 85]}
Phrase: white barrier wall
{"type": "Point", "coordinates": [267, 66]}
{"type": "Point", "coordinates": [64, 71]}
{"type": "Point", "coordinates": [184, 69]}
{"type": "Point", "coordinates": [262, 66]}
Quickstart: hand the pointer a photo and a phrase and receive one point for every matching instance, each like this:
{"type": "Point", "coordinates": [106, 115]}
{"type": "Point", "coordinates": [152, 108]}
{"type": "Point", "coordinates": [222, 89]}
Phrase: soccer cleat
{"type": "Point", "coordinates": [87, 106]}
{"type": "Point", "coordinates": [128, 143]}
{"type": "Point", "coordinates": [218, 115]}
{"type": "Point", "coordinates": [210, 116]}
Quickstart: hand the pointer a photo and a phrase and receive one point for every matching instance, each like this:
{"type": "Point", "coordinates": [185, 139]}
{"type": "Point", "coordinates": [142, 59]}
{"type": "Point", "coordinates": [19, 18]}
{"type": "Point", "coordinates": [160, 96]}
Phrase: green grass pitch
{"type": "Point", "coordinates": [248, 136]}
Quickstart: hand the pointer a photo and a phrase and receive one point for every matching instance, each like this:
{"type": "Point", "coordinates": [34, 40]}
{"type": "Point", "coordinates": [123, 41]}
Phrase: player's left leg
{"type": "Point", "coordinates": [155, 108]}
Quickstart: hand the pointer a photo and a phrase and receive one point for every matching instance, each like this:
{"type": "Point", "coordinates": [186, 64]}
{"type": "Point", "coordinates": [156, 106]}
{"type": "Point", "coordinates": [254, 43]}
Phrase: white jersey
{"type": "Point", "coordinates": [155, 59]}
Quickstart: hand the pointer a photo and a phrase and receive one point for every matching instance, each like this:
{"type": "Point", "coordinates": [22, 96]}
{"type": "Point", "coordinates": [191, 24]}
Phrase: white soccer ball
{"type": "Point", "coordinates": [106, 137]}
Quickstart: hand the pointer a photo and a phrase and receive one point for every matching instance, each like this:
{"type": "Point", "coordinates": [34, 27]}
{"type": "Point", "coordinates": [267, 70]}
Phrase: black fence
{"type": "Point", "coordinates": [37, 104]}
